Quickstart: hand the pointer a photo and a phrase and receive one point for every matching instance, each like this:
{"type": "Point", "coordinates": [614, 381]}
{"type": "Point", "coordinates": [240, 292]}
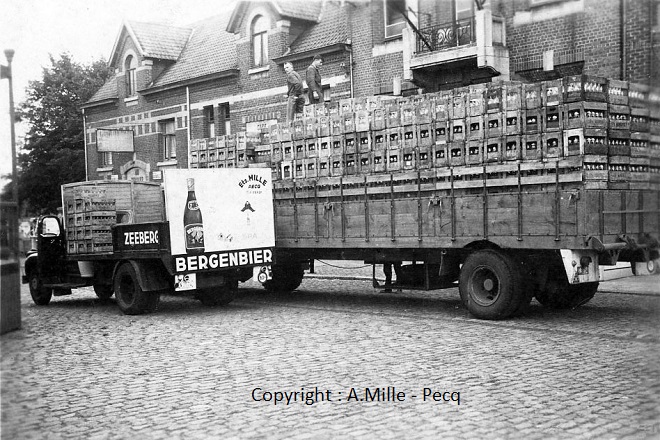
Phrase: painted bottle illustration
{"type": "Point", "coordinates": [192, 222]}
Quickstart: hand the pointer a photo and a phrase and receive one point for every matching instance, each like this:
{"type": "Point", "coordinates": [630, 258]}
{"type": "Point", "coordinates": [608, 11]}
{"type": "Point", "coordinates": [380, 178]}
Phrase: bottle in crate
{"type": "Point", "coordinates": [379, 160]}
{"type": "Point", "coordinates": [424, 135]}
{"type": "Point", "coordinates": [494, 101]}
{"type": "Point", "coordinates": [324, 166]}
{"type": "Point", "coordinates": [513, 122]}
{"type": "Point", "coordinates": [441, 132]}
{"type": "Point", "coordinates": [362, 120]}
{"type": "Point", "coordinates": [639, 119]}
{"type": "Point", "coordinates": [474, 152]}
{"type": "Point", "coordinates": [424, 159]}
{"type": "Point", "coordinates": [493, 149]}
{"type": "Point", "coordinates": [459, 102]}
{"type": "Point", "coordinates": [618, 142]}
{"type": "Point", "coordinates": [512, 147]}
{"type": "Point", "coordinates": [476, 100]}
{"type": "Point", "coordinates": [617, 92]}
{"type": "Point", "coordinates": [440, 154]}
{"type": "Point", "coordinates": [532, 121]}
{"type": "Point", "coordinates": [364, 141]}
{"type": "Point", "coordinates": [456, 153]}
{"type": "Point", "coordinates": [553, 144]}
{"type": "Point", "coordinates": [364, 163]}
{"type": "Point", "coordinates": [494, 124]}
{"type": "Point", "coordinates": [457, 130]}
{"type": "Point", "coordinates": [552, 93]}
{"type": "Point", "coordinates": [639, 144]}
{"type": "Point", "coordinates": [532, 149]}
{"type": "Point", "coordinates": [475, 127]}
{"type": "Point", "coordinates": [532, 95]}
{"type": "Point", "coordinates": [619, 117]}
{"type": "Point", "coordinates": [585, 88]}
{"type": "Point", "coordinates": [552, 118]}
{"type": "Point", "coordinates": [638, 95]}
{"type": "Point", "coordinates": [394, 159]}
{"type": "Point", "coordinates": [378, 119]}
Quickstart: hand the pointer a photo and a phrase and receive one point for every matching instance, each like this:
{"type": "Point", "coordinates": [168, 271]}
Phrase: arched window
{"type": "Point", "coordinates": [260, 27]}
{"type": "Point", "coordinates": [129, 66]}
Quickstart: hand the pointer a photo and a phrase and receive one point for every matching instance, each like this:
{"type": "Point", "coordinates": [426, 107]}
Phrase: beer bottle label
{"type": "Point", "coordinates": [194, 236]}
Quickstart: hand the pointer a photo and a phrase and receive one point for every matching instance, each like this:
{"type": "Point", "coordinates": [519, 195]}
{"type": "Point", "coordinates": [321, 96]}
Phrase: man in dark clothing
{"type": "Point", "coordinates": [387, 270]}
{"type": "Point", "coordinates": [313, 78]}
{"type": "Point", "coordinates": [295, 101]}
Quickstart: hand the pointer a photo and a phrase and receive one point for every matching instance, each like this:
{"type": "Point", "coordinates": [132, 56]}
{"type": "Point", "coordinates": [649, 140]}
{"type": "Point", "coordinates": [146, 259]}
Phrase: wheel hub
{"type": "Point", "coordinates": [485, 286]}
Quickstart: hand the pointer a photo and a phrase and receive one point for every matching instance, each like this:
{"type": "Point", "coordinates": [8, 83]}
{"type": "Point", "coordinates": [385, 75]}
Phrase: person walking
{"type": "Point", "coordinates": [313, 78]}
{"type": "Point", "coordinates": [295, 101]}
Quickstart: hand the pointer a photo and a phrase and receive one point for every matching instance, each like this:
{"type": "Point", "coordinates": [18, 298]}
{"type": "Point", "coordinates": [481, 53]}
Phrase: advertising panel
{"type": "Point", "coordinates": [114, 140]}
{"type": "Point", "coordinates": [219, 218]}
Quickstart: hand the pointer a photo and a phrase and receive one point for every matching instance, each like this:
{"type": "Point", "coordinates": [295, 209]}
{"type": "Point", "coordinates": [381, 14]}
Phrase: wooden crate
{"type": "Point", "coordinates": [138, 202]}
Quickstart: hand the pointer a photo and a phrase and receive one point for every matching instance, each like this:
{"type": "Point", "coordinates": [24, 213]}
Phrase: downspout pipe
{"type": "Point", "coordinates": [85, 143]}
{"type": "Point", "coordinates": [350, 66]}
{"type": "Point", "coordinates": [624, 41]}
{"type": "Point", "coordinates": [188, 125]}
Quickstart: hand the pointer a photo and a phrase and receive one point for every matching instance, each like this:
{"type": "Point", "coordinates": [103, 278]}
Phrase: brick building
{"type": "Point", "coordinates": [225, 74]}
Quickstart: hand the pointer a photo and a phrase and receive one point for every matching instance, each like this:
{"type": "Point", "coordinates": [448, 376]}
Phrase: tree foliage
{"type": "Point", "coordinates": [54, 150]}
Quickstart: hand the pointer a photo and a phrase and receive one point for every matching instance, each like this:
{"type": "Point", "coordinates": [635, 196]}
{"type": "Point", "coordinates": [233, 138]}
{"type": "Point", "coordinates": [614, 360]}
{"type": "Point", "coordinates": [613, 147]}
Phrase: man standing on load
{"type": "Point", "coordinates": [313, 78]}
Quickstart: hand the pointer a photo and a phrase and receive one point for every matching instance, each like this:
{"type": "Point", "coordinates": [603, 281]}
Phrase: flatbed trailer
{"type": "Point", "coordinates": [504, 234]}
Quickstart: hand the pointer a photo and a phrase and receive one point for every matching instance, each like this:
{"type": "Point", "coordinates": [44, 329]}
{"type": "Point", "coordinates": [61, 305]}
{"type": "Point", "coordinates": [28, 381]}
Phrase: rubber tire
{"type": "Point", "coordinates": [286, 278]}
{"type": "Point", "coordinates": [559, 295]}
{"type": "Point", "coordinates": [132, 300]}
{"type": "Point", "coordinates": [40, 295]}
{"type": "Point", "coordinates": [213, 298]}
{"type": "Point", "coordinates": [505, 295]}
{"type": "Point", "coordinates": [103, 291]}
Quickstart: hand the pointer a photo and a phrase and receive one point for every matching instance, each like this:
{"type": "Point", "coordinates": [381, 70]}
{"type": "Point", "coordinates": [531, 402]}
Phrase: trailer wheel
{"type": "Point", "coordinates": [561, 295]}
{"type": "Point", "coordinates": [286, 278]}
{"type": "Point", "coordinates": [40, 295]}
{"type": "Point", "coordinates": [132, 300]}
{"type": "Point", "coordinates": [490, 285]}
{"type": "Point", "coordinates": [219, 296]}
{"type": "Point", "coordinates": [103, 291]}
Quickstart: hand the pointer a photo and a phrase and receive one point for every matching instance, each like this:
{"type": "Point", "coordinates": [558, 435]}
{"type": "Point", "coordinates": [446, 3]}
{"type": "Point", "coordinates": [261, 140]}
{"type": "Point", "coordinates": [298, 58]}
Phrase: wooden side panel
{"type": "Point", "coordinates": [469, 216]}
{"type": "Point", "coordinates": [406, 217]}
{"type": "Point", "coordinates": [539, 214]}
{"type": "Point", "coordinates": [284, 220]}
{"type": "Point", "coordinates": [613, 219]}
{"type": "Point", "coordinates": [502, 214]}
{"type": "Point", "coordinates": [633, 203]}
{"type": "Point", "coordinates": [148, 203]}
{"type": "Point", "coordinates": [379, 219]}
{"type": "Point", "coordinates": [355, 220]}
{"type": "Point", "coordinates": [306, 224]}
{"type": "Point", "coordinates": [568, 214]}
{"type": "Point", "coordinates": [652, 216]}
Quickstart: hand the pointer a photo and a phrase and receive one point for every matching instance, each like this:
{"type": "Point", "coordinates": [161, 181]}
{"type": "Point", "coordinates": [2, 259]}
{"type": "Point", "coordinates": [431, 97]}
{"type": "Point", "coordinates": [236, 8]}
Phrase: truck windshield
{"type": "Point", "coordinates": [50, 226]}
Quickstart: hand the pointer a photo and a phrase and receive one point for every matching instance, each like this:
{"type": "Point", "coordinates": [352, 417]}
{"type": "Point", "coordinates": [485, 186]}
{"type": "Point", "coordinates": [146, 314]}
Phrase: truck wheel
{"type": "Point", "coordinates": [103, 291]}
{"type": "Point", "coordinates": [286, 278]}
{"type": "Point", "coordinates": [490, 285]}
{"type": "Point", "coordinates": [561, 295]}
{"type": "Point", "coordinates": [219, 296]}
{"type": "Point", "coordinates": [132, 300]}
{"type": "Point", "coordinates": [40, 294]}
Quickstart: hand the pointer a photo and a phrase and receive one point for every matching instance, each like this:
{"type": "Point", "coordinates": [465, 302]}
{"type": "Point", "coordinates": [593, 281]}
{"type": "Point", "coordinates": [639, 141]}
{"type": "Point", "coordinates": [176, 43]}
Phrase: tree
{"type": "Point", "coordinates": [54, 151]}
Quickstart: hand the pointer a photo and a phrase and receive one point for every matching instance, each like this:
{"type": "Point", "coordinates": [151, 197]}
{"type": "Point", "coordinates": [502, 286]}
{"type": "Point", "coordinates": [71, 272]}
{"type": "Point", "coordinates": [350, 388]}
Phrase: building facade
{"type": "Point", "coordinates": [225, 74]}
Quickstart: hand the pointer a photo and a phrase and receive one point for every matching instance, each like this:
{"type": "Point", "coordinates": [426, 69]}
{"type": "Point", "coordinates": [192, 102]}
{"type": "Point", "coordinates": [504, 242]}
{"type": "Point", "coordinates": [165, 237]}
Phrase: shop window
{"type": "Point", "coordinates": [259, 41]}
{"type": "Point", "coordinates": [394, 19]}
{"type": "Point", "coordinates": [168, 136]}
{"type": "Point", "coordinates": [129, 66]}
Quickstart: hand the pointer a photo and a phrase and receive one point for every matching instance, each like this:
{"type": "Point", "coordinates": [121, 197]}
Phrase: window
{"type": "Point", "coordinates": [209, 122]}
{"type": "Point", "coordinates": [394, 20]}
{"type": "Point", "coordinates": [106, 158]}
{"type": "Point", "coordinates": [655, 15]}
{"type": "Point", "coordinates": [464, 9]}
{"type": "Point", "coordinates": [129, 66]}
{"type": "Point", "coordinates": [167, 129]}
{"type": "Point", "coordinates": [224, 121]}
{"type": "Point", "coordinates": [260, 41]}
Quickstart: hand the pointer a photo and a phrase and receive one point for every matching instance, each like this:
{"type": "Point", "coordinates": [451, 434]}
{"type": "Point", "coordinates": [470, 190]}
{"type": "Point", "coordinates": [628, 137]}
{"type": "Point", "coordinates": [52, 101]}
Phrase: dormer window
{"type": "Point", "coordinates": [259, 33]}
{"type": "Point", "coordinates": [129, 66]}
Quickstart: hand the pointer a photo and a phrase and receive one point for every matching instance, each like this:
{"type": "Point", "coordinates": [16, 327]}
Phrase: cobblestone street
{"type": "Point", "coordinates": [80, 369]}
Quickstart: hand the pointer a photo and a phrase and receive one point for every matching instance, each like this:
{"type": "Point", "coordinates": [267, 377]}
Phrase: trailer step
{"type": "Point", "coordinates": [64, 285]}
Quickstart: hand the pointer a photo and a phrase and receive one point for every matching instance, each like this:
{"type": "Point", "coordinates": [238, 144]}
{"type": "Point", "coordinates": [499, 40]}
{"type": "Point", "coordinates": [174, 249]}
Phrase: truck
{"type": "Point", "coordinates": [509, 191]}
{"type": "Point", "coordinates": [138, 240]}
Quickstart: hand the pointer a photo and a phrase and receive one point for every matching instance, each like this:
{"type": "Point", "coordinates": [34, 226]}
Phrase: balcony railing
{"type": "Point", "coordinates": [446, 36]}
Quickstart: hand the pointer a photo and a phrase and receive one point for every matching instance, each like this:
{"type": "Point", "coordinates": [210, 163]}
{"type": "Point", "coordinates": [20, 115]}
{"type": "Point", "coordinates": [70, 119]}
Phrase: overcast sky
{"type": "Point", "coordinates": [86, 29]}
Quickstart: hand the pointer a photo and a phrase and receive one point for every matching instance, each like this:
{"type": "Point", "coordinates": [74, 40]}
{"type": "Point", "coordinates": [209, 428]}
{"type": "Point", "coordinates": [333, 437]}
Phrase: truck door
{"type": "Point", "coordinates": [51, 246]}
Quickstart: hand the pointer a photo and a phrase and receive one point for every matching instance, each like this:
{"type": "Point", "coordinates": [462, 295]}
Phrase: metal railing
{"type": "Point", "coordinates": [447, 35]}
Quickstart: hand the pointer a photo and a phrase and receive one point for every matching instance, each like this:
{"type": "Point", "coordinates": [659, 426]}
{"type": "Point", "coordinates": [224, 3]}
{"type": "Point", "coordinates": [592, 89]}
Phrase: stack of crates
{"type": "Point", "coordinates": [609, 130]}
{"type": "Point", "coordinates": [89, 216]}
